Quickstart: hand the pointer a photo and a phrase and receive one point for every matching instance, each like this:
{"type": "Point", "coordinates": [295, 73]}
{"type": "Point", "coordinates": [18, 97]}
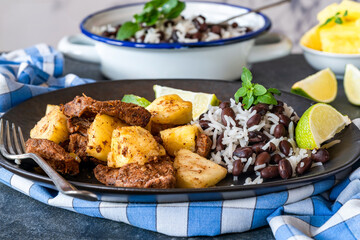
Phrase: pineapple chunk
{"type": "Point", "coordinates": [194, 171]}
{"type": "Point", "coordinates": [133, 145]}
{"type": "Point", "coordinates": [99, 136]}
{"type": "Point", "coordinates": [178, 138]}
{"type": "Point", "coordinates": [311, 39]}
{"type": "Point", "coordinates": [51, 127]}
{"type": "Point", "coordinates": [51, 107]}
{"type": "Point", "coordinates": [170, 109]}
{"type": "Point", "coordinates": [352, 7]}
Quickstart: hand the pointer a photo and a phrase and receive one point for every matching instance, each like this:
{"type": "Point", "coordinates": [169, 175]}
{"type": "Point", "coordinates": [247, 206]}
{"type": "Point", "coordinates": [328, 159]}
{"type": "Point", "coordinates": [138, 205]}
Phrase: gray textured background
{"type": "Point", "coordinates": [27, 22]}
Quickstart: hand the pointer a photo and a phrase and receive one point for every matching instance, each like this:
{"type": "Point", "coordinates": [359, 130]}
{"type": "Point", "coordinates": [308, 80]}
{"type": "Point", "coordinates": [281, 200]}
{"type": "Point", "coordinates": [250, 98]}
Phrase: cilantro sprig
{"type": "Point", "coordinates": [153, 11]}
{"type": "Point", "coordinates": [254, 93]}
{"type": "Point", "coordinates": [336, 18]}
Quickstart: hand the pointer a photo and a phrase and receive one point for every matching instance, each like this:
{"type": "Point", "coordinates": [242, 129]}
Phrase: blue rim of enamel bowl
{"type": "Point", "coordinates": [247, 36]}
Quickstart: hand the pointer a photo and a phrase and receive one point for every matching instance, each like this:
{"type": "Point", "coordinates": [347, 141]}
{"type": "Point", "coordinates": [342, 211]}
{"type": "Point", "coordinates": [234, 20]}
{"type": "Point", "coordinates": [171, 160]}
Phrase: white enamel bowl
{"type": "Point", "coordinates": [221, 59]}
{"type": "Point", "coordinates": [336, 62]}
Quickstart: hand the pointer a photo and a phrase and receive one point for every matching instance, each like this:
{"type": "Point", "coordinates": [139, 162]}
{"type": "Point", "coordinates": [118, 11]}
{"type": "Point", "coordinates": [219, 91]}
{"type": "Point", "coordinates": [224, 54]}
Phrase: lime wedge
{"type": "Point", "coordinates": [319, 123]}
{"type": "Point", "coordinates": [130, 98]}
{"type": "Point", "coordinates": [201, 101]}
{"type": "Point", "coordinates": [352, 84]}
{"type": "Point", "coordinates": [320, 87]}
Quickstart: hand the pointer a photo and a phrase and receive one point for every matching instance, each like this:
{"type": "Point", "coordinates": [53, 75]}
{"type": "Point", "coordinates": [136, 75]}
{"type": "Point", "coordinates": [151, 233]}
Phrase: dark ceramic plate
{"type": "Point", "coordinates": [343, 155]}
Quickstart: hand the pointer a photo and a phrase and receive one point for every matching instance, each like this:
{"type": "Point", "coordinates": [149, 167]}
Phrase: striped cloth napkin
{"type": "Point", "coordinates": [328, 209]}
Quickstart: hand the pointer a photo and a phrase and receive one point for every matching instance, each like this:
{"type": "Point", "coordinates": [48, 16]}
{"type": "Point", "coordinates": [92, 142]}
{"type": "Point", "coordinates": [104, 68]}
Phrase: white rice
{"type": "Point", "coordinates": [235, 134]}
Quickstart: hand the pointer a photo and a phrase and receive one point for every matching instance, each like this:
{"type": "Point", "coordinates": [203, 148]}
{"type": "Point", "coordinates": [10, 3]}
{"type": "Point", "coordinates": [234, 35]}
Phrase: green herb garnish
{"type": "Point", "coordinates": [336, 18]}
{"type": "Point", "coordinates": [253, 93]}
{"type": "Point", "coordinates": [153, 11]}
{"type": "Point", "coordinates": [130, 98]}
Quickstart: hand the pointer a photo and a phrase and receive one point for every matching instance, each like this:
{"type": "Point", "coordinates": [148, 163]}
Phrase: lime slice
{"type": "Point", "coordinates": [200, 101]}
{"type": "Point", "coordinates": [130, 98]}
{"type": "Point", "coordinates": [352, 84]}
{"type": "Point", "coordinates": [318, 124]}
{"type": "Point", "coordinates": [320, 87]}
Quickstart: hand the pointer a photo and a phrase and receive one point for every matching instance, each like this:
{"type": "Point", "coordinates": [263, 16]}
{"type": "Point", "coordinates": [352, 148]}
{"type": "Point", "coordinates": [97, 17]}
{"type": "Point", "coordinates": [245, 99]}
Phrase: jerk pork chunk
{"type": "Point", "coordinates": [54, 154]}
{"type": "Point", "coordinates": [129, 113]}
{"type": "Point", "coordinates": [157, 173]}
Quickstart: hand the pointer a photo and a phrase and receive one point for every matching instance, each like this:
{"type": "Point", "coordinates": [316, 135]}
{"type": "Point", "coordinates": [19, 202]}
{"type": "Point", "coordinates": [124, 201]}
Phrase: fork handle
{"type": "Point", "coordinates": [61, 183]}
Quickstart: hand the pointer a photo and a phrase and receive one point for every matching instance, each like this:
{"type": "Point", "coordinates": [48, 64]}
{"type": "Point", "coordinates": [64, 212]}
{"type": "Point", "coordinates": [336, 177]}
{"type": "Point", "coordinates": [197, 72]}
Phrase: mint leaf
{"type": "Point", "coordinates": [175, 12]}
{"type": "Point", "coordinates": [338, 20]}
{"type": "Point", "coordinates": [249, 93]}
{"type": "Point", "coordinates": [259, 90]}
{"type": "Point", "coordinates": [345, 13]}
{"type": "Point", "coordinates": [267, 98]}
{"type": "Point", "coordinates": [248, 101]}
{"type": "Point", "coordinates": [246, 75]}
{"type": "Point", "coordinates": [127, 30]}
{"type": "Point", "coordinates": [241, 92]}
{"type": "Point", "coordinates": [168, 6]}
{"type": "Point", "coordinates": [327, 21]}
{"type": "Point", "coordinates": [130, 98]}
{"type": "Point", "coordinates": [274, 91]}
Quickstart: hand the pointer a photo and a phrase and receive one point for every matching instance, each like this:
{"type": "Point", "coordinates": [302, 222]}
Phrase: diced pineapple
{"type": "Point", "coordinates": [170, 109]}
{"type": "Point", "coordinates": [51, 127]}
{"type": "Point", "coordinates": [194, 171]}
{"type": "Point", "coordinates": [133, 145]}
{"type": "Point", "coordinates": [99, 135]}
{"type": "Point", "coordinates": [51, 107]}
{"type": "Point", "coordinates": [311, 39]}
{"type": "Point", "coordinates": [178, 138]}
{"type": "Point", "coordinates": [352, 8]}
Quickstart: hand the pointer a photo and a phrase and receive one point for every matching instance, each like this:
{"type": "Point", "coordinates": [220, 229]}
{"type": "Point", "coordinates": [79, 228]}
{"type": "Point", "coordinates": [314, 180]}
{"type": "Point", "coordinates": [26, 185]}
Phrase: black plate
{"type": "Point", "coordinates": [343, 155]}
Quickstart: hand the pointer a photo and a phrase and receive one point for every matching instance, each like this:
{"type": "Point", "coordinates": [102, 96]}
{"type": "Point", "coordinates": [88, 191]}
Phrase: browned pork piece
{"type": "Point", "coordinates": [77, 145]}
{"type": "Point", "coordinates": [131, 114]}
{"type": "Point", "coordinates": [158, 173]}
{"type": "Point", "coordinates": [54, 154]}
{"type": "Point", "coordinates": [79, 125]}
{"type": "Point", "coordinates": [203, 145]}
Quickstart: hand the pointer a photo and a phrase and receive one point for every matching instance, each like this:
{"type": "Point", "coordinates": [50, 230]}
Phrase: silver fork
{"type": "Point", "coordinates": [8, 151]}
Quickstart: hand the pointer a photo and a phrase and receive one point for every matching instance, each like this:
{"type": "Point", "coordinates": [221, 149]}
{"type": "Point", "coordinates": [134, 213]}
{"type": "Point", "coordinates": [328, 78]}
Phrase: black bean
{"type": "Point", "coordinates": [285, 120]}
{"type": "Point", "coordinates": [174, 36]}
{"type": "Point", "coordinates": [161, 35]}
{"type": "Point", "coordinates": [262, 158]}
{"type": "Point", "coordinates": [302, 168]}
{"type": "Point", "coordinates": [271, 148]}
{"type": "Point", "coordinates": [257, 148]}
{"type": "Point", "coordinates": [234, 25]}
{"type": "Point", "coordinates": [202, 27]}
{"type": "Point", "coordinates": [219, 145]}
{"type": "Point", "coordinates": [321, 155]}
{"type": "Point", "coordinates": [224, 105]}
{"type": "Point", "coordinates": [227, 112]}
{"type": "Point", "coordinates": [204, 124]}
{"type": "Point", "coordinates": [280, 103]}
{"type": "Point", "coordinates": [285, 169]}
{"type": "Point", "coordinates": [238, 167]}
{"type": "Point", "coordinates": [256, 136]}
{"type": "Point", "coordinates": [216, 29]}
{"type": "Point", "coordinates": [285, 147]}
{"type": "Point", "coordinates": [277, 109]}
{"type": "Point", "coordinates": [280, 131]}
{"type": "Point", "coordinates": [261, 108]}
{"type": "Point", "coordinates": [254, 120]}
{"type": "Point", "coordinates": [243, 152]}
{"type": "Point", "coordinates": [270, 172]}
{"type": "Point", "coordinates": [197, 35]}
{"type": "Point", "coordinates": [276, 158]}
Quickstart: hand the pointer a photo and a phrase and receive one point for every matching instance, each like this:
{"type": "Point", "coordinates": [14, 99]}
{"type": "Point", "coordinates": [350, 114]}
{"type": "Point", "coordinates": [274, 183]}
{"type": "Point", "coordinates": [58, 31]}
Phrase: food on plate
{"type": "Point", "coordinates": [352, 84]}
{"type": "Point", "coordinates": [199, 100]}
{"type": "Point", "coordinates": [160, 22]}
{"type": "Point", "coordinates": [170, 109]}
{"type": "Point", "coordinates": [131, 98]}
{"type": "Point", "coordinates": [194, 171]}
{"type": "Point", "coordinates": [338, 29]}
{"type": "Point", "coordinates": [182, 137]}
{"type": "Point", "coordinates": [52, 127]}
{"type": "Point", "coordinates": [157, 173]}
{"type": "Point", "coordinates": [54, 154]}
{"type": "Point", "coordinates": [99, 135]}
{"type": "Point", "coordinates": [133, 144]}
{"type": "Point", "coordinates": [163, 146]}
{"type": "Point", "coordinates": [318, 124]}
{"type": "Point", "coordinates": [320, 87]}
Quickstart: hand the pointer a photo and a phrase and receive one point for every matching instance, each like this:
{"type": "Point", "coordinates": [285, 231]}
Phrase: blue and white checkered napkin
{"type": "Point", "coordinates": [329, 209]}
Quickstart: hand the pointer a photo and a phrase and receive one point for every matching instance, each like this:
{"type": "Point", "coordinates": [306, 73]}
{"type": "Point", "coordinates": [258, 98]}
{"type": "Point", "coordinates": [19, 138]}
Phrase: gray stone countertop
{"type": "Point", "coordinates": [22, 217]}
